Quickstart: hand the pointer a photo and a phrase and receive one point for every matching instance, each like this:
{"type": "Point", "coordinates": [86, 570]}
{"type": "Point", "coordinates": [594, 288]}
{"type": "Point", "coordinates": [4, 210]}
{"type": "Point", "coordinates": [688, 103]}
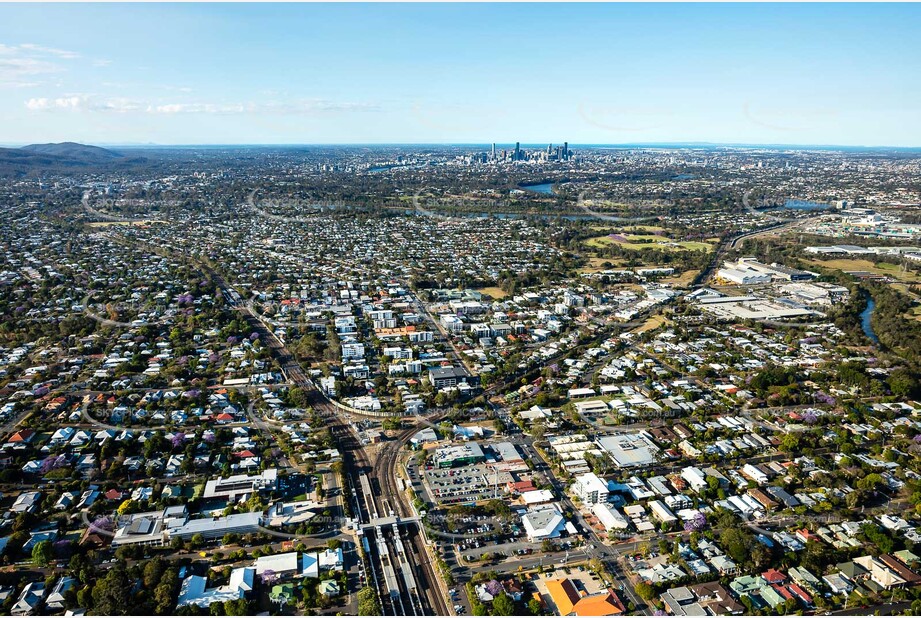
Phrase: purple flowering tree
{"type": "Point", "coordinates": [494, 588]}
{"type": "Point", "coordinates": [696, 523]}
{"type": "Point", "coordinates": [52, 462]}
{"type": "Point", "coordinates": [62, 548]}
{"type": "Point", "coordinates": [269, 577]}
{"type": "Point", "coordinates": [103, 525]}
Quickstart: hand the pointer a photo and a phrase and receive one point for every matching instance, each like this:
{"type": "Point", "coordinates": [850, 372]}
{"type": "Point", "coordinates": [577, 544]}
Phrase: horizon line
{"type": "Point", "coordinates": [141, 145]}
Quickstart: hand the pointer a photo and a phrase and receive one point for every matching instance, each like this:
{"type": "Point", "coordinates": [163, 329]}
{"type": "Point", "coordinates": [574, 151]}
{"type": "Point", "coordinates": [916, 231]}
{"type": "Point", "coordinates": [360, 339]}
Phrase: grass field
{"type": "Point", "coordinates": [883, 268]}
{"type": "Point", "coordinates": [653, 322]}
{"type": "Point", "coordinates": [628, 229]}
{"type": "Point", "coordinates": [494, 292]}
{"type": "Point", "coordinates": [682, 280]}
{"type": "Point", "coordinates": [595, 265]}
{"type": "Point", "coordinates": [124, 223]}
{"type": "Point", "coordinates": [639, 242]}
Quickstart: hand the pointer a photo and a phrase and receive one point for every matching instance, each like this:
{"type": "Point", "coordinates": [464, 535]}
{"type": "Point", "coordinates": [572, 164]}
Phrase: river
{"type": "Point", "coordinates": [865, 320]}
{"type": "Point", "coordinates": [544, 188]}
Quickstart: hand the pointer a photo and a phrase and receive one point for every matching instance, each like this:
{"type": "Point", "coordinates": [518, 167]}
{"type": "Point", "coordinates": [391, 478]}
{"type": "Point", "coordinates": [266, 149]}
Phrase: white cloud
{"type": "Point", "coordinates": [82, 102]}
{"type": "Point", "coordinates": [200, 108]}
{"type": "Point", "coordinates": [94, 103]}
{"type": "Point", "coordinates": [51, 51]}
{"type": "Point", "coordinates": [16, 83]}
{"type": "Point", "coordinates": [20, 64]}
{"type": "Point", "coordinates": [13, 68]}
{"type": "Point", "coordinates": [59, 103]}
{"type": "Point", "coordinates": [273, 107]}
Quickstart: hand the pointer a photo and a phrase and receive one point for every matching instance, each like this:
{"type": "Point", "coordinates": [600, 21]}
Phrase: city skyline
{"type": "Point", "coordinates": [414, 74]}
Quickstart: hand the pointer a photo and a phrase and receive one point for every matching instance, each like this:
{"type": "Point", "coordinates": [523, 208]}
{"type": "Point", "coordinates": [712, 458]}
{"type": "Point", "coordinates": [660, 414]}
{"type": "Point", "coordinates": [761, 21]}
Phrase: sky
{"type": "Point", "coordinates": [808, 74]}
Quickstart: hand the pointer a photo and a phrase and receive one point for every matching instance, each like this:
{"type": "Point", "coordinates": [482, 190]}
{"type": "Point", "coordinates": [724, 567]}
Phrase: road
{"type": "Point", "coordinates": [730, 243]}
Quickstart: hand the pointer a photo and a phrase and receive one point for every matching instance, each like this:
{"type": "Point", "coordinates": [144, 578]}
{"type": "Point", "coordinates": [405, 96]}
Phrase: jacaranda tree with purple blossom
{"type": "Point", "coordinates": [696, 523]}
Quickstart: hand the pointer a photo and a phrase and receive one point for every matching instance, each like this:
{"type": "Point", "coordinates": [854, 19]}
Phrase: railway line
{"type": "Point", "coordinates": [374, 491]}
{"type": "Point", "coordinates": [397, 503]}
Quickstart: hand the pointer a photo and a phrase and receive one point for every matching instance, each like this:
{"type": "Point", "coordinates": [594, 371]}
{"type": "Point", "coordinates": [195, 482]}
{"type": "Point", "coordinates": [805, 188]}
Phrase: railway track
{"type": "Point", "coordinates": [385, 474]}
{"type": "Point", "coordinates": [373, 491]}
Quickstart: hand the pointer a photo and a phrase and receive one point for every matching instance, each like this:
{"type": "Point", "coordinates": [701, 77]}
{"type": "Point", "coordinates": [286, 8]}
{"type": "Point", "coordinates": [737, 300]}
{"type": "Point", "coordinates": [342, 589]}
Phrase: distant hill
{"type": "Point", "coordinates": [73, 150]}
{"type": "Point", "coordinates": [64, 157]}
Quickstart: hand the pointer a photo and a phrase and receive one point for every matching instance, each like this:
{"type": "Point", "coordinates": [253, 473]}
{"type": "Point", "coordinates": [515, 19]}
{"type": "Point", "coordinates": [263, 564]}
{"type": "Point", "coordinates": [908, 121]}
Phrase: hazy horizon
{"type": "Point", "coordinates": [472, 144]}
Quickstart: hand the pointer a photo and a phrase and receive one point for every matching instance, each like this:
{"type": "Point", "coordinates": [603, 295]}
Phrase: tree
{"type": "Point", "coordinates": [165, 592]}
{"type": "Point", "coordinates": [538, 431]}
{"type": "Point", "coordinates": [367, 602]}
{"type": "Point", "coordinates": [534, 607]}
{"type": "Point", "coordinates": [737, 543]}
{"type": "Point", "coordinates": [645, 591]}
{"type": "Point", "coordinates": [237, 607]}
{"type": "Point", "coordinates": [85, 597]}
{"type": "Point", "coordinates": [503, 605]}
{"type": "Point", "coordinates": [42, 553]}
{"type": "Point", "coordinates": [112, 593]}
{"type": "Point", "coordinates": [153, 571]}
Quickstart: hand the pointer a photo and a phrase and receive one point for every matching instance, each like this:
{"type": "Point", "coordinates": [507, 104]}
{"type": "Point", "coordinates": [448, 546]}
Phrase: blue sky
{"type": "Point", "coordinates": [466, 73]}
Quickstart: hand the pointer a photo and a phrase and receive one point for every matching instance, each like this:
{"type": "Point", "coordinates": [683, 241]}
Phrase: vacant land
{"type": "Point", "coordinates": [596, 264]}
{"type": "Point", "coordinates": [145, 222]}
{"type": "Point", "coordinates": [883, 268]}
{"type": "Point", "coordinates": [493, 292]}
{"type": "Point", "coordinates": [682, 280]}
{"type": "Point", "coordinates": [639, 242]}
{"type": "Point", "coordinates": [652, 323]}
{"type": "Point", "coordinates": [629, 229]}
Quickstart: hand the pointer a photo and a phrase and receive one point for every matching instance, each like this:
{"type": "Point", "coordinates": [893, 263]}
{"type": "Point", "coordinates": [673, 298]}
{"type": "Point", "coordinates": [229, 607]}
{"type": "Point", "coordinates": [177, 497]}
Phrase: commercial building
{"type": "Point", "coordinates": [742, 276]}
{"type": "Point", "coordinates": [241, 486]}
{"type": "Point", "coordinates": [462, 455]}
{"type": "Point", "coordinates": [590, 488]}
{"type": "Point", "coordinates": [446, 377]}
{"type": "Point", "coordinates": [570, 602]}
{"type": "Point", "coordinates": [217, 527]}
{"type": "Point", "coordinates": [629, 450]}
{"type": "Point", "coordinates": [610, 517]}
{"type": "Point", "coordinates": [546, 523]}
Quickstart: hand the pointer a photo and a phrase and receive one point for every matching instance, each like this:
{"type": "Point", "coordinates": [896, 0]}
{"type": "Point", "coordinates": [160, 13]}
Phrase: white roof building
{"type": "Point", "coordinates": [590, 488]}
{"type": "Point", "coordinates": [610, 517]}
{"type": "Point", "coordinates": [277, 563]}
{"type": "Point", "coordinates": [195, 592]}
{"type": "Point", "coordinates": [543, 524]}
{"type": "Point", "coordinates": [537, 496]}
